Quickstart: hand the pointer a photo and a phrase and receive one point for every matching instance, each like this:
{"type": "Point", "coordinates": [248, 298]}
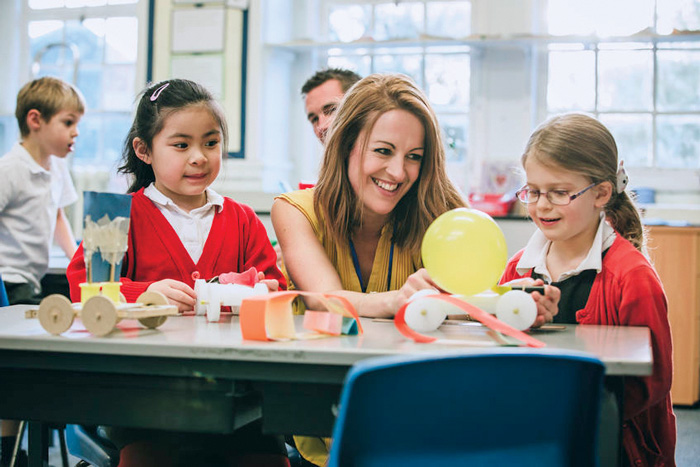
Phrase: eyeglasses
{"type": "Point", "coordinates": [556, 197]}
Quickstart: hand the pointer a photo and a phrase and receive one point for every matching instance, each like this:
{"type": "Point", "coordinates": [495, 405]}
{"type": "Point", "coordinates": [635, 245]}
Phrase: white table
{"type": "Point", "coordinates": [191, 375]}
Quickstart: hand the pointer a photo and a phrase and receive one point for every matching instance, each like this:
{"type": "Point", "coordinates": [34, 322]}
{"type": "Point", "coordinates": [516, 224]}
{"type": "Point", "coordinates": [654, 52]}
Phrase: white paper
{"type": "Point", "coordinates": [207, 70]}
{"type": "Point", "coordinates": [198, 30]}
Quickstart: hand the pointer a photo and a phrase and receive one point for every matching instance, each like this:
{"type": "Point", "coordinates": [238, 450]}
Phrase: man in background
{"type": "Point", "coordinates": [322, 94]}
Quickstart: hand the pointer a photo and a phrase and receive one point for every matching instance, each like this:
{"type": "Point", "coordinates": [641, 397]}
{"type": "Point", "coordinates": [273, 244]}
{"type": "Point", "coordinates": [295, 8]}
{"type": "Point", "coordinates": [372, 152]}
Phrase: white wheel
{"type": "Point", "coordinates": [214, 305]}
{"type": "Point", "coordinates": [99, 315]}
{"type": "Point", "coordinates": [517, 308]}
{"type": "Point", "coordinates": [201, 289]}
{"type": "Point", "coordinates": [425, 314]}
{"type": "Point", "coordinates": [56, 314]}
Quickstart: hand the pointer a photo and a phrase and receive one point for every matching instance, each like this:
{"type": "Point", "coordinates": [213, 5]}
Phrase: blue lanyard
{"type": "Point", "coordinates": [356, 263]}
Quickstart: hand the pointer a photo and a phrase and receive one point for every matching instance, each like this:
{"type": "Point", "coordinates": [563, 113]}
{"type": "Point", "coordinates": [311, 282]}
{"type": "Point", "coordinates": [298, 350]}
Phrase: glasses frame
{"type": "Point", "coordinates": [546, 194]}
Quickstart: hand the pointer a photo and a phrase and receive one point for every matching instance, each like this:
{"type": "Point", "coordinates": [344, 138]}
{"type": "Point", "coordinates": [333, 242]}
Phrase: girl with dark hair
{"type": "Point", "coordinates": [179, 226]}
{"type": "Point", "coordinates": [590, 245]}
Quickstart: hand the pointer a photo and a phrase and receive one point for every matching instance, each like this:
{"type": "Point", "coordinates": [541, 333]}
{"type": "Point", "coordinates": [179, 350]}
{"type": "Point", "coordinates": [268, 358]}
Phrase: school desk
{"type": "Point", "coordinates": [191, 375]}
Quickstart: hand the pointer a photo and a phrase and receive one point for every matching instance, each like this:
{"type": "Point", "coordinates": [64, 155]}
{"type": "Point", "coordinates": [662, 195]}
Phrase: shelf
{"type": "Point", "coordinates": [518, 40]}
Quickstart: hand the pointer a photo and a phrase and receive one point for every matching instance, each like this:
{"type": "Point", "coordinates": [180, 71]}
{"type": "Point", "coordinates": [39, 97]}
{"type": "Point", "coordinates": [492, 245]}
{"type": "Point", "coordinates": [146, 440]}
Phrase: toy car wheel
{"type": "Point", "coordinates": [153, 322]}
{"type": "Point", "coordinates": [152, 298]}
{"type": "Point", "coordinates": [56, 314]}
{"type": "Point", "coordinates": [99, 315]}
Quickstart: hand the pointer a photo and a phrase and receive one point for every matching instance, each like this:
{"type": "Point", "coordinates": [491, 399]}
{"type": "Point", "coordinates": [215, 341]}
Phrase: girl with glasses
{"type": "Point", "coordinates": [590, 244]}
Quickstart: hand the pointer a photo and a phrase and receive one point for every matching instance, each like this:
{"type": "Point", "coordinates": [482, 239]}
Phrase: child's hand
{"type": "Point", "coordinates": [547, 305]}
{"type": "Point", "coordinates": [178, 293]}
{"type": "Point", "coordinates": [273, 285]}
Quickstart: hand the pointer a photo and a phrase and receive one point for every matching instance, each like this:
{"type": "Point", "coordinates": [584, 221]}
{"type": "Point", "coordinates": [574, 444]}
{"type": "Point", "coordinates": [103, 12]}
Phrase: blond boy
{"type": "Point", "coordinates": [35, 186]}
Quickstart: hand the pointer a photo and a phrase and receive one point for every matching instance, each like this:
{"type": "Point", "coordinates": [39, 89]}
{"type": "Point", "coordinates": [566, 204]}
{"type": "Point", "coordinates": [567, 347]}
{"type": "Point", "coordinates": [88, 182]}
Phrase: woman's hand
{"type": "Point", "coordinates": [547, 304]}
{"type": "Point", "coordinates": [178, 293]}
{"type": "Point", "coordinates": [419, 280]}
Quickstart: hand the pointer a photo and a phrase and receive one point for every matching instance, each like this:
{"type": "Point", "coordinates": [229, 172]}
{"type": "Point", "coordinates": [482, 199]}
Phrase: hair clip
{"type": "Point", "coordinates": [157, 92]}
{"type": "Point", "coordinates": [622, 178]}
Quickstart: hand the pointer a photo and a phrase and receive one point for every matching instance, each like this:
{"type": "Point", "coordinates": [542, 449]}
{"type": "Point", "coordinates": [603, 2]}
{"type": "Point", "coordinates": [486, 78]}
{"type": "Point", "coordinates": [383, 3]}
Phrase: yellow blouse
{"type": "Point", "coordinates": [404, 264]}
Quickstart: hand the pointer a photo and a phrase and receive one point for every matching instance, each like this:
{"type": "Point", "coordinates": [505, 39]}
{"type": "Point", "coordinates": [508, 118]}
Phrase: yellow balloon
{"type": "Point", "coordinates": [464, 251]}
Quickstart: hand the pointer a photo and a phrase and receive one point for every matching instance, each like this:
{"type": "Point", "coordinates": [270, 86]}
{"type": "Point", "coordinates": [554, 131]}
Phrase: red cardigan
{"type": "Point", "coordinates": [628, 292]}
{"type": "Point", "coordinates": [237, 241]}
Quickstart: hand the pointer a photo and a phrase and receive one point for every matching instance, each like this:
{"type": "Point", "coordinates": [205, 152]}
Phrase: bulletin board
{"type": "Point", "coordinates": [205, 41]}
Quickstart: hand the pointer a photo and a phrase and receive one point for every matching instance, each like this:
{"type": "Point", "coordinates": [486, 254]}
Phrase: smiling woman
{"type": "Point", "coordinates": [382, 182]}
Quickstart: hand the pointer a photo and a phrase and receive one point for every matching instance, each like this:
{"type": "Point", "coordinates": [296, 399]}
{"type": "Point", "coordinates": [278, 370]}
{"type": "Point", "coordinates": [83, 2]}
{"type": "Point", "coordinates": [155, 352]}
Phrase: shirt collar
{"type": "Point", "coordinates": [535, 253]}
{"type": "Point", "coordinates": [24, 155]}
{"type": "Point", "coordinates": [214, 200]}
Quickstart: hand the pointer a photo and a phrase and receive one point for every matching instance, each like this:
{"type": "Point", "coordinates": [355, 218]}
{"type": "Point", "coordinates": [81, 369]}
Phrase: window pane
{"type": "Point", "coordinates": [625, 80]}
{"type": "Point", "coordinates": [679, 81]}
{"type": "Point", "coordinates": [115, 129]}
{"type": "Point", "coordinates": [678, 141]}
{"type": "Point", "coordinates": [44, 4]}
{"type": "Point", "coordinates": [398, 20]}
{"type": "Point", "coordinates": [87, 148]}
{"type": "Point", "coordinates": [601, 17]}
{"type": "Point", "coordinates": [348, 23]}
{"type": "Point", "coordinates": [90, 43]}
{"type": "Point", "coordinates": [454, 133]}
{"type": "Point", "coordinates": [121, 40]}
{"type": "Point", "coordinates": [9, 133]}
{"type": "Point", "coordinates": [633, 135]}
{"type": "Point", "coordinates": [571, 81]}
{"type": "Point", "coordinates": [449, 19]}
{"type": "Point", "coordinates": [575, 17]}
{"type": "Point", "coordinates": [407, 64]}
{"type": "Point", "coordinates": [83, 3]}
{"type": "Point", "coordinates": [683, 15]}
{"type": "Point", "coordinates": [119, 86]}
{"type": "Point", "coordinates": [360, 64]}
{"type": "Point", "coordinates": [447, 80]}
{"type": "Point", "coordinates": [622, 17]}
{"type": "Point", "coordinates": [90, 83]}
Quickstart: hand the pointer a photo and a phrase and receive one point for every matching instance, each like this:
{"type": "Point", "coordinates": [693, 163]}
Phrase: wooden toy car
{"type": "Point", "coordinates": [100, 314]}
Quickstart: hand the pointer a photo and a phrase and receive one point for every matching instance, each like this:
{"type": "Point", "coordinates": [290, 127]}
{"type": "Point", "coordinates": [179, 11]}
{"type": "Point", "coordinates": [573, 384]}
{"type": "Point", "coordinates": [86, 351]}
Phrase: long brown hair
{"type": "Point", "coordinates": [336, 203]}
{"type": "Point", "coordinates": [581, 144]}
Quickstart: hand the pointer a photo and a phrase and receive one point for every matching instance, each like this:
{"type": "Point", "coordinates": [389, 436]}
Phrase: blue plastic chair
{"type": "Point", "coordinates": [86, 443]}
{"type": "Point", "coordinates": [525, 408]}
{"type": "Point", "coordinates": [3, 294]}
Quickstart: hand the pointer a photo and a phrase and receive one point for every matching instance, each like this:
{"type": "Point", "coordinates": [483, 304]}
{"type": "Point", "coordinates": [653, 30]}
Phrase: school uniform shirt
{"type": "Point", "coordinates": [627, 291]}
{"type": "Point", "coordinates": [403, 264]}
{"type": "Point", "coordinates": [30, 197]}
{"type": "Point", "coordinates": [192, 227]}
{"type": "Point", "coordinates": [237, 241]}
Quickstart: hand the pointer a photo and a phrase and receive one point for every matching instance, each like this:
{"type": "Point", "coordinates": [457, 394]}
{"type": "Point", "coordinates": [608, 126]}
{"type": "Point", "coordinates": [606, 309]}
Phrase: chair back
{"type": "Point", "coordinates": [507, 407]}
{"type": "Point", "coordinates": [4, 301]}
{"type": "Point", "coordinates": [86, 443]}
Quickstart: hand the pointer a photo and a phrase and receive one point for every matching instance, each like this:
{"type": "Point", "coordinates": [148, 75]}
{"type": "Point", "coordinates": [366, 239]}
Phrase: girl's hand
{"type": "Point", "coordinates": [547, 304]}
{"type": "Point", "coordinates": [178, 293]}
{"type": "Point", "coordinates": [419, 280]}
{"type": "Point", "coordinates": [273, 285]}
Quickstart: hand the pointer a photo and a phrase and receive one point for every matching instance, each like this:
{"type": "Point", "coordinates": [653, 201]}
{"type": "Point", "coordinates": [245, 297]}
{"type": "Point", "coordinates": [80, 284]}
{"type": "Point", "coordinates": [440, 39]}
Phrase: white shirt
{"type": "Point", "coordinates": [192, 227]}
{"type": "Point", "coordinates": [30, 197]}
{"type": "Point", "coordinates": [535, 253]}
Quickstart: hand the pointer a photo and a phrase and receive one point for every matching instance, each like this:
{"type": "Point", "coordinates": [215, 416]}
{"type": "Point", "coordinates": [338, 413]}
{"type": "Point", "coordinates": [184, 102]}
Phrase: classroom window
{"type": "Point", "coordinates": [94, 45]}
{"type": "Point", "coordinates": [645, 87]}
{"type": "Point", "coordinates": [394, 32]}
